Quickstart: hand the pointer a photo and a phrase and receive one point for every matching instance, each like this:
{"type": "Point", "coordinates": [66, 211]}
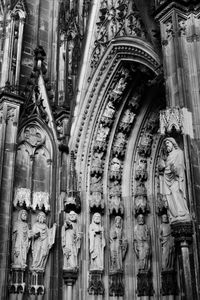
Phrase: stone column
{"type": "Point", "coordinates": [69, 278]}
{"type": "Point", "coordinates": [9, 115]}
{"type": "Point", "coordinates": [182, 233]}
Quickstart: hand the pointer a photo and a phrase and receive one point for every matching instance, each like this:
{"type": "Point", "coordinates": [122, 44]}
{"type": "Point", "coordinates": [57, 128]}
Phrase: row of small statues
{"type": "Point", "coordinates": [41, 238]}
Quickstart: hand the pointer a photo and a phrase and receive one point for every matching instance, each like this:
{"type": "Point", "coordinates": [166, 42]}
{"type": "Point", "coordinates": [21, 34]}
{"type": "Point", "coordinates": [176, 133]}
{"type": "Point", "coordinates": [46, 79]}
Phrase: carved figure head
{"type": "Point", "coordinates": [140, 219]}
{"type": "Point", "coordinates": [170, 143]}
{"type": "Point", "coordinates": [41, 218]}
{"type": "Point", "coordinates": [72, 216]}
{"type": "Point", "coordinates": [96, 218]}
{"type": "Point", "coordinates": [118, 222]}
{"type": "Point", "coordinates": [165, 218]}
{"type": "Point", "coordinates": [22, 215]}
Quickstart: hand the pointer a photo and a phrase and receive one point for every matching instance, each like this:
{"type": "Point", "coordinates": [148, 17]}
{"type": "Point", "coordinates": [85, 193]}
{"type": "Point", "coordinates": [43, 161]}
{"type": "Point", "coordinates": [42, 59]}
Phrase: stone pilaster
{"type": "Point", "coordinates": [9, 115]}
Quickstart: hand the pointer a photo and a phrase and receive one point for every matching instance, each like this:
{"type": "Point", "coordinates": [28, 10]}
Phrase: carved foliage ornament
{"type": "Point", "coordinates": [40, 201]}
{"type": "Point", "coordinates": [22, 197]}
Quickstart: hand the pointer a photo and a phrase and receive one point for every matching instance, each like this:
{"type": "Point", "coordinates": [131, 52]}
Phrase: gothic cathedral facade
{"type": "Point", "coordinates": [99, 149]}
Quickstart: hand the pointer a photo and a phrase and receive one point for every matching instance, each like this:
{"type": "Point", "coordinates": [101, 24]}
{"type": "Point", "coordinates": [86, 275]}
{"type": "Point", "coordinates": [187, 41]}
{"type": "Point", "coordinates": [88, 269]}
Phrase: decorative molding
{"type": "Point", "coordinates": [144, 284]}
{"type": "Point", "coordinates": [116, 285]}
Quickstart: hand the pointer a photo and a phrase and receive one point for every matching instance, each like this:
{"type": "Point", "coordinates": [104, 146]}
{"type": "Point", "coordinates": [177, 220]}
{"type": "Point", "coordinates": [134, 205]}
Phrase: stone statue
{"type": "Point", "coordinates": [43, 240]}
{"type": "Point", "coordinates": [70, 242]}
{"type": "Point", "coordinates": [174, 184]}
{"type": "Point", "coordinates": [20, 240]}
{"type": "Point", "coordinates": [167, 244]}
{"type": "Point", "coordinates": [117, 246]}
{"type": "Point", "coordinates": [142, 245]}
{"type": "Point", "coordinates": [97, 243]}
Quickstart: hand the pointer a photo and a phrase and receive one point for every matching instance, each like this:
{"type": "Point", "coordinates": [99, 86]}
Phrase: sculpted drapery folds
{"type": "Point", "coordinates": [167, 244]}
{"type": "Point", "coordinates": [97, 243]}
{"type": "Point", "coordinates": [20, 240]}
{"type": "Point", "coordinates": [70, 242]}
{"type": "Point", "coordinates": [142, 244]}
{"type": "Point", "coordinates": [173, 186]}
{"type": "Point", "coordinates": [118, 247]}
{"type": "Point", "coordinates": [43, 240]}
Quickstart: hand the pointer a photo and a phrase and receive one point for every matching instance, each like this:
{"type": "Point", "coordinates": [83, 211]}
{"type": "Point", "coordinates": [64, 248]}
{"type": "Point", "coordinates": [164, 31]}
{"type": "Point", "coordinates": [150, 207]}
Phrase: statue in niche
{"type": "Point", "coordinates": [141, 170]}
{"type": "Point", "coordinates": [128, 117]}
{"type": "Point", "coordinates": [167, 244]}
{"type": "Point", "coordinates": [97, 243]}
{"type": "Point", "coordinates": [20, 240]}
{"type": "Point", "coordinates": [142, 245]}
{"type": "Point", "coordinates": [118, 247]}
{"type": "Point", "coordinates": [97, 163]}
{"type": "Point", "coordinates": [71, 240]}
{"type": "Point", "coordinates": [43, 240]}
{"type": "Point", "coordinates": [173, 185]}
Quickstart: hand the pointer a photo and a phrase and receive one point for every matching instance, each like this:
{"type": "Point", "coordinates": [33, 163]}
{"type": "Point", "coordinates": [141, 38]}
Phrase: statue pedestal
{"type": "Point", "coordinates": [144, 283]}
{"type": "Point", "coordinates": [69, 277]}
{"type": "Point", "coordinates": [182, 233]}
{"type": "Point", "coordinates": [116, 286]}
{"type": "Point", "coordinates": [96, 286]}
{"type": "Point", "coordinates": [36, 287]}
{"type": "Point", "coordinates": [17, 286]}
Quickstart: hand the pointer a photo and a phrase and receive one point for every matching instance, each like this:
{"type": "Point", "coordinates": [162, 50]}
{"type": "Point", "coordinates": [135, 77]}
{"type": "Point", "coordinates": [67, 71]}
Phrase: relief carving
{"type": "Point", "coordinates": [20, 241]}
{"type": "Point", "coordinates": [42, 242]}
{"type": "Point", "coordinates": [108, 114]}
{"type": "Point", "coordinates": [97, 243]}
{"type": "Point", "coordinates": [171, 118]}
{"type": "Point", "coordinates": [115, 204]}
{"type": "Point", "coordinates": [118, 245]}
{"type": "Point", "coordinates": [96, 191]}
{"type": "Point", "coordinates": [71, 239]}
{"type": "Point", "coordinates": [100, 142]}
{"type": "Point", "coordinates": [173, 186]}
{"type": "Point", "coordinates": [33, 135]}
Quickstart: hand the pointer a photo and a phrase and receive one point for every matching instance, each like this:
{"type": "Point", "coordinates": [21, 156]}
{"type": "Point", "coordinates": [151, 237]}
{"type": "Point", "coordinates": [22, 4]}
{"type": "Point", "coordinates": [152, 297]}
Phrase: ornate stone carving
{"type": "Point", "coordinates": [119, 145]}
{"type": "Point", "coordinates": [182, 231]}
{"type": "Point", "coordinates": [115, 169]}
{"type": "Point", "coordinates": [142, 244]}
{"type": "Point", "coordinates": [97, 164]}
{"type": "Point", "coordinates": [141, 170]}
{"type": "Point", "coordinates": [100, 141]}
{"type": "Point", "coordinates": [167, 244]}
{"type": "Point", "coordinates": [11, 111]}
{"type": "Point", "coordinates": [117, 18]}
{"type": "Point", "coordinates": [171, 118]}
{"type": "Point", "coordinates": [36, 286]}
{"type": "Point", "coordinates": [120, 86]}
{"type": "Point", "coordinates": [126, 121]}
{"type": "Point", "coordinates": [20, 241]}
{"type": "Point", "coordinates": [141, 205]}
{"type": "Point", "coordinates": [33, 135]}
{"type": "Point", "coordinates": [43, 240]}
{"type": "Point", "coordinates": [97, 243]}
{"type": "Point", "coordinates": [96, 191]}
{"type": "Point", "coordinates": [182, 25]}
{"type": "Point", "coordinates": [115, 204]}
{"type": "Point", "coordinates": [71, 239]}
{"type": "Point", "coordinates": [161, 204]}
{"type": "Point", "coordinates": [118, 246]}
{"type": "Point", "coordinates": [108, 114]}
{"type": "Point", "coordinates": [40, 201]}
{"type": "Point", "coordinates": [22, 197]}
{"type": "Point", "coordinates": [144, 148]}
{"type": "Point", "coordinates": [174, 182]}
{"type": "Point", "coordinates": [96, 286]}
{"type": "Point", "coordinates": [17, 284]}
{"type": "Point", "coordinates": [116, 285]}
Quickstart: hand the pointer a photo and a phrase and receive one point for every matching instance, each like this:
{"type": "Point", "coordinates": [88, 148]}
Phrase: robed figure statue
{"type": "Point", "coordinates": [173, 186]}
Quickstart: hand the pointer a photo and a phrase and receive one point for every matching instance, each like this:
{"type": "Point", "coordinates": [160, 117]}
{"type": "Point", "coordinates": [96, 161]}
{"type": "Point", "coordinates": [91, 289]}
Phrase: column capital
{"type": "Point", "coordinates": [70, 276]}
{"type": "Point", "coordinates": [182, 231]}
